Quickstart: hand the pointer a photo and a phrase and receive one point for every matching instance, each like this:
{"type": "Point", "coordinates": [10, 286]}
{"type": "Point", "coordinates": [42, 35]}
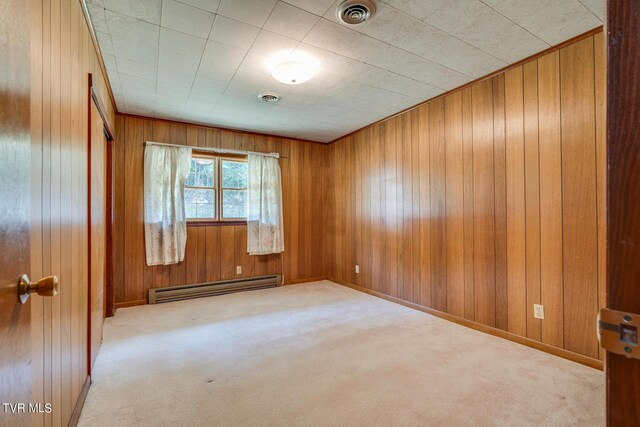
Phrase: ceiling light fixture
{"type": "Point", "coordinates": [293, 68]}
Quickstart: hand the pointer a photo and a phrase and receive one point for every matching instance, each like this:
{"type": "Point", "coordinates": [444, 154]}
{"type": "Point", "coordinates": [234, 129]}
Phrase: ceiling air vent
{"type": "Point", "coordinates": [269, 97]}
{"type": "Point", "coordinates": [354, 12]}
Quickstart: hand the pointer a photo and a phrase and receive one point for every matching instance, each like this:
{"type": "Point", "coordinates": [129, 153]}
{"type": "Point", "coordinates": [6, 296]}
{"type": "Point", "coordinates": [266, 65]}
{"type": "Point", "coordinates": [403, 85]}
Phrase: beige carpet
{"type": "Point", "coordinates": [321, 354]}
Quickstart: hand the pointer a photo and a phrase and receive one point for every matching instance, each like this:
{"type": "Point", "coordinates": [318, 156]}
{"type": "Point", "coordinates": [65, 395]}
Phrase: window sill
{"type": "Point", "coordinates": [213, 223]}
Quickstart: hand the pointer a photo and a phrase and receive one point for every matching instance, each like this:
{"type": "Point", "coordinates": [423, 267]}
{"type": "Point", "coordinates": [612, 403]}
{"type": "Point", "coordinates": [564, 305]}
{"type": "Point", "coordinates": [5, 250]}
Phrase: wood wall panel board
{"type": "Point", "coordinates": [377, 219]}
{"type": "Point", "coordinates": [134, 258]}
{"type": "Point", "coordinates": [365, 195]}
{"type": "Point", "coordinates": [207, 268]}
{"type": "Point", "coordinates": [97, 244]}
{"type": "Point", "coordinates": [352, 240]}
{"type": "Point", "coordinates": [366, 208]}
{"type": "Point", "coordinates": [550, 199]}
{"type": "Point", "coordinates": [532, 195]}
{"type": "Point", "coordinates": [36, 270]}
{"type": "Point", "coordinates": [407, 209]}
{"type": "Point", "coordinates": [415, 215]}
{"type": "Point", "coordinates": [119, 187]}
{"type": "Point", "coordinates": [243, 259]}
{"type": "Point", "coordinates": [45, 187]}
{"type": "Point", "coordinates": [337, 222]}
{"type": "Point", "coordinates": [328, 218]}
{"type": "Point", "coordinates": [399, 202]}
{"type": "Point", "coordinates": [468, 197]}
{"type": "Point", "coordinates": [384, 219]}
{"type": "Point", "coordinates": [438, 232]}
{"type": "Point", "coordinates": [502, 303]}
{"type": "Point", "coordinates": [391, 216]}
{"type": "Point", "coordinates": [454, 218]}
{"type": "Point", "coordinates": [309, 204]}
{"type": "Point", "coordinates": [579, 197]}
{"type": "Point", "coordinates": [515, 206]}
{"type": "Point", "coordinates": [424, 148]}
{"type": "Point", "coordinates": [329, 215]}
{"type": "Point", "coordinates": [317, 179]}
{"type": "Point", "coordinates": [192, 136]}
{"type": "Point", "coordinates": [66, 202]}
{"type": "Point", "coordinates": [357, 217]}
{"type": "Point", "coordinates": [601, 165]}
{"type": "Point", "coordinates": [347, 238]}
{"type": "Point", "coordinates": [191, 255]}
{"type": "Point", "coordinates": [55, 185]}
{"type": "Point", "coordinates": [484, 208]}
{"type": "Point", "coordinates": [291, 208]}
{"type": "Point", "coordinates": [227, 253]}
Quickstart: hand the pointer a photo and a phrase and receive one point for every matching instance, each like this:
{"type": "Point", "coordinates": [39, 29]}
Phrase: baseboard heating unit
{"type": "Point", "coordinates": [177, 293]}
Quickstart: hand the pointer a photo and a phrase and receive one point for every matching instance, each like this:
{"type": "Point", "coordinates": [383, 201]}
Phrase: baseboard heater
{"type": "Point", "coordinates": [178, 293]}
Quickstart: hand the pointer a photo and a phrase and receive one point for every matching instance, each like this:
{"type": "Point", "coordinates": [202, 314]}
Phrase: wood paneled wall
{"type": "Point", "coordinates": [213, 252]}
{"type": "Point", "coordinates": [62, 56]}
{"type": "Point", "coordinates": [485, 201]}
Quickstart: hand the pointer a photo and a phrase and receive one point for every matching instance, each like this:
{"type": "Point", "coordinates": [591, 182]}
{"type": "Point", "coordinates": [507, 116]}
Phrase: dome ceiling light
{"type": "Point", "coordinates": [293, 68]}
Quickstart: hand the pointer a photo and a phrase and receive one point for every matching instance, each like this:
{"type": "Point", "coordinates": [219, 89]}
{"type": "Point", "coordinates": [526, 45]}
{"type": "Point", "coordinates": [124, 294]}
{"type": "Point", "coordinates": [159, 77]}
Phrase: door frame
{"type": "Point", "coordinates": [94, 98]}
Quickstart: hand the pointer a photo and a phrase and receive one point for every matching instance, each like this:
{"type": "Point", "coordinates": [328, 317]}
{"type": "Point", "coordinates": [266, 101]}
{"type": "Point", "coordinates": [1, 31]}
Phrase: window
{"type": "Point", "coordinates": [216, 188]}
{"type": "Point", "coordinates": [234, 189]}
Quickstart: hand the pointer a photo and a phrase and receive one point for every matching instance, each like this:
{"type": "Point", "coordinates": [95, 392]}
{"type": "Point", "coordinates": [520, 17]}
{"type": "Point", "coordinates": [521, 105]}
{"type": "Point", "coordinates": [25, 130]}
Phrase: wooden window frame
{"type": "Point", "coordinates": [218, 220]}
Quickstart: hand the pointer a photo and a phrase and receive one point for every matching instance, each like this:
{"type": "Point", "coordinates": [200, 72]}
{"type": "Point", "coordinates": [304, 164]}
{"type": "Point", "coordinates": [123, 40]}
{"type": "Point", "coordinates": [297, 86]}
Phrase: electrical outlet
{"type": "Point", "coordinates": [538, 311]}
{"type": "Point", "coordinates": [357, 269]}
{"type": "Point", "coordinates": [239, 269]}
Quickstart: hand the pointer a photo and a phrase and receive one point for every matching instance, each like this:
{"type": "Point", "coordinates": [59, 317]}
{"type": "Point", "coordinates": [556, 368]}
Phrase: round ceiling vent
{"type": "Point", "coordinates": [354, 12]}
{"type": "Point", "coordinates": [269, 97]}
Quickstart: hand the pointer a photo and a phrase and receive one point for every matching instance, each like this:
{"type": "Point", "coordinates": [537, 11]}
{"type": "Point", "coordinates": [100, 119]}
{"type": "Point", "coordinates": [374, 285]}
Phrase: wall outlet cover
{"type": "Point", "coordinates": [239, 269]}
{"type": "Point", "coordinates": [357, 269]}
{"type": "Point", "coordinates": [538, 311]}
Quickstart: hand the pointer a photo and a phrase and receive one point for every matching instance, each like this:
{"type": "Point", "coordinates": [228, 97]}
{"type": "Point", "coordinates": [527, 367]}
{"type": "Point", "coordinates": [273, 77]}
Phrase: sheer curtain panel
{"type": "Point", "coordinates": [264, 206]}
{"type": "Point", "coordinates": [165, 225]}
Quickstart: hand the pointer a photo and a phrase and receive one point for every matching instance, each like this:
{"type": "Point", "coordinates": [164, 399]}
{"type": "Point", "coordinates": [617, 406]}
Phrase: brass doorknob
{"type": "Point", "coordinates": [45, 287]}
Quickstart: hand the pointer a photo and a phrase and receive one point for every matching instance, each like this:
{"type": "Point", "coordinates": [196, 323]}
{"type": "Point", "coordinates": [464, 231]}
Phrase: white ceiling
{"type": "Point", "coordinates": [203, 61]}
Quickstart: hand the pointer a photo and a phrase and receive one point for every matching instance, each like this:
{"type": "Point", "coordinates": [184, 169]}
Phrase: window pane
{"type": "Point", "coordinates": [205, 210]}
{"type": "Point", "coordinates": [191, 178]}
{"type": "Point", "coordinates": [190, 210]}
{"type": "Point", "coordinates": [201, 173]}
{"type": "Point", "coordinates": [199, 203]}
{"type": "Point", "coordinates": [234, 204]}
{"type": "Point", "coordinates": [234, 174]}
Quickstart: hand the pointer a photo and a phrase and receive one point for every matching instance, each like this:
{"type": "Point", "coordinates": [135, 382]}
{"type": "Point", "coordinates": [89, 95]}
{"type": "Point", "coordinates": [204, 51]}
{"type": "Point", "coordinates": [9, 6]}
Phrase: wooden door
{"type": "Point", "coordinates": [97, 232]}
{"type": "Point", "coordinates": [15, 212]}
{"type": "Point", "coordinates": [623, 216]}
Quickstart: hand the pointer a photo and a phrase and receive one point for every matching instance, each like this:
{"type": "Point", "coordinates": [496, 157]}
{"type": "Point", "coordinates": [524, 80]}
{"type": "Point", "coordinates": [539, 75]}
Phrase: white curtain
{"type": "Point", "coordinates": [165, 225]}
{"type": "Point", "coordinates": [264, 206]}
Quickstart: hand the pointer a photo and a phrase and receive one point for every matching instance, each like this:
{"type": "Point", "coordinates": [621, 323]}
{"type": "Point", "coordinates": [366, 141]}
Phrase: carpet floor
{"type": "Point", "coordinates": [320, 354]}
